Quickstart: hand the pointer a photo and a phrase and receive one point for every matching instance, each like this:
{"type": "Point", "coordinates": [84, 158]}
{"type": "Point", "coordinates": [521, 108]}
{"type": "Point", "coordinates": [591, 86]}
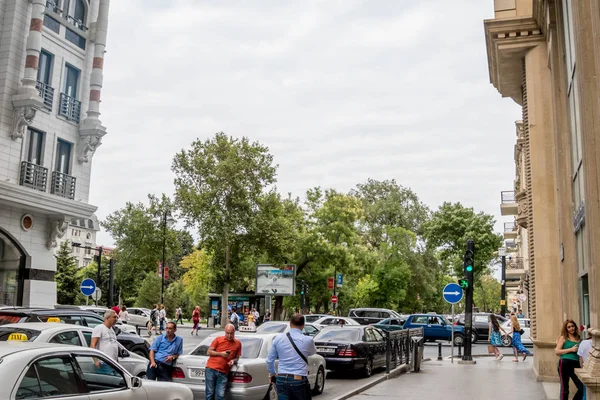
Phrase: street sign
{"type": "Point", "coordinates": [329, 283]}
{"type": "Point", "coordinates": [502, 302]}
{"type": "Point", "coordinates": [87, 287]}
{"type": "Point", "coordinates": [452, 293]}
{"type": "Point", "coordinates": [97, 294]}
{"type": "Point", "coordinates": [334, 299]}
{"type": "Point", "coordinates": [339, 280]}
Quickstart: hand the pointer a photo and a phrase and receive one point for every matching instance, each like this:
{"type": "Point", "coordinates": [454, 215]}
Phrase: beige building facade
{"type": "Point", "coordinates": [545, 56]}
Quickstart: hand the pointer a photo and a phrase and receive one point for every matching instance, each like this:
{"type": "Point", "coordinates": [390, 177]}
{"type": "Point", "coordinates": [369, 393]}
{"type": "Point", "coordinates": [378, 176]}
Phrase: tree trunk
{"type": "Point", "coordinates": [225, 294]}
{"type": "Point", "coordinates": [278, 308]}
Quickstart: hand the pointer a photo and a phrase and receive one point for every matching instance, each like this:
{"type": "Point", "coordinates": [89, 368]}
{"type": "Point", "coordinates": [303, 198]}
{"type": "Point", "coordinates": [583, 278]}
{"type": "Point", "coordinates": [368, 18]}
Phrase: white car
{"type": "Point", "coordinates": [57, 333]}
{"type": "Point", "coordinates": [525, 339]}
{"type": "Point", "coordinates": [284, 326]}
{"type": "Point", "coordinates": [333, 320]}
{"type": "Point", "coordinates": [138, 316]}
{"type": "Point", "coordinates": [249, 379]}
{"type": "Point", "coordinates": [45, 370]}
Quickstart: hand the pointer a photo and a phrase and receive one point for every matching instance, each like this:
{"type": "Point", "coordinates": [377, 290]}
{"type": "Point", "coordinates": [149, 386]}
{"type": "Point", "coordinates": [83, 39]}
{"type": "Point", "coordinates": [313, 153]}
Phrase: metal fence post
{"type": "Point", "coordinates": [440, 351]}
{"type": "Point", "coordinates": [388, 352]}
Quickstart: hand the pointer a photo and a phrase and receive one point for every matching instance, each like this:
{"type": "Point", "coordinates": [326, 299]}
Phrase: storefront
{"type": "Point", "coordinates": [12, 268]}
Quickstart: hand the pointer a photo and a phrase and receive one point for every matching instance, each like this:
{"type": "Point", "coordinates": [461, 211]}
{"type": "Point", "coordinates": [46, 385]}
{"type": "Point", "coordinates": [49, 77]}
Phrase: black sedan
{"type": "Point", "coordinates": [352, 348]}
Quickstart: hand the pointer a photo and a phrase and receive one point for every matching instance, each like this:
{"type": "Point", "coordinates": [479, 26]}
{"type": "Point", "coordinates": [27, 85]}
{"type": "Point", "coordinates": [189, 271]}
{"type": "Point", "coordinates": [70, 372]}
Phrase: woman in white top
{"type": "Point", "coordinates": [124, 315]}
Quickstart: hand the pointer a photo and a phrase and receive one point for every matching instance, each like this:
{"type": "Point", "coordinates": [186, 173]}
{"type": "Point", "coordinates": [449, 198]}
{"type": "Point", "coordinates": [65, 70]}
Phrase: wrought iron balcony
{"type": "Point", "coordinates": [46, 93]}
{"type": "Point", "coordinates": [515, 263]}
{"type": "Point", "coordinates": [53, 6]}
{"type": "Point", "coordinates": [76, 23]}
{"type": "Point", "coordinates": [70, 108]}
{"type": "Point", "coordinates": [508, 204]}
{"type": "Point", "coordinates": [33, 176]}
{"type": "Point", "coordinates": [508, 197]}
{"type": "Point", "coordinates": [63, 185]}
{"type": "Point", "coordinates": [510, 230]}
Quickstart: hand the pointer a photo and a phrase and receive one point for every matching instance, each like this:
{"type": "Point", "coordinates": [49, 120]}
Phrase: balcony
{"type": "Point", "coordinates": [63, 185]}
{"type": "Point", "coordinates": [33, 176]}
{"type": "Point", "coordinates": [46, 93]}
{"type": "Point", "coordinates": [515, 267]}
{"type": "Point", "coordinates": [76, 23]}
{"type": "Point", "coordinates": [510, 230]}
{"type": "Point", "coordinates": [70, 108]}
{"type": "Point", "coordinates": [508, 205]}
{"type": "Point", "coordinates": [53, 6]}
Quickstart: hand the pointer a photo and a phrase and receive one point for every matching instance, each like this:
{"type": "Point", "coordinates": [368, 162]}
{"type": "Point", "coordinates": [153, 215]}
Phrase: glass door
{"type": "Point", "coordinates": [63, 157]}
{"type": "Point", "coordinates": [71, 81]}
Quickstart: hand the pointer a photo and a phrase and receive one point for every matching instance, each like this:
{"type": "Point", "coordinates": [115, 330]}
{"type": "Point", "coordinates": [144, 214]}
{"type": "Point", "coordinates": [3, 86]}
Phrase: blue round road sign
{"type": "Point", "coordinates": [453, 293]}
{"type": "Point", "coordinates": [87, 287]}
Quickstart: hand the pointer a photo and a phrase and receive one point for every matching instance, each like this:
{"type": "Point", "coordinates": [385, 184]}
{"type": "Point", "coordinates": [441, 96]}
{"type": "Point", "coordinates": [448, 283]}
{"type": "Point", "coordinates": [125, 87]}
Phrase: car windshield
{"type": "Point", "coordinates": [271, 328]}
{"type": "Point", "coordinates": [339, 335]}
{"type": "Point", "coordinates": [312, 318]}
{"type": "Point", "coordinates": [250, 347]}
{"type": "Point", "coordinates": [7, 334]}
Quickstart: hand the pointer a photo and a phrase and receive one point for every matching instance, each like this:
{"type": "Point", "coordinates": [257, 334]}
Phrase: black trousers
{"type": "Point", "coordinates": [566, 370]}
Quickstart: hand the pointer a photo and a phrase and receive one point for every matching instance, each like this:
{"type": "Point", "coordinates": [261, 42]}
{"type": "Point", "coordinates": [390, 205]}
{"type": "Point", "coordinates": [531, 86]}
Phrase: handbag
{"type": "Point", "coordinates": [521, 332]}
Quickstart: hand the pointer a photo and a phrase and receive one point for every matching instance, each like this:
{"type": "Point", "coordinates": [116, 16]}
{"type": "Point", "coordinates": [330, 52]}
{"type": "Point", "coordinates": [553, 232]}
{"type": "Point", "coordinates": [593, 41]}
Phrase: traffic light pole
{"type": "Point", "coordinates": [98, 274]}
{"type": "Point", "coordinates": [503, 288]}
{"type": "Point", "coordinates": [469, 262]}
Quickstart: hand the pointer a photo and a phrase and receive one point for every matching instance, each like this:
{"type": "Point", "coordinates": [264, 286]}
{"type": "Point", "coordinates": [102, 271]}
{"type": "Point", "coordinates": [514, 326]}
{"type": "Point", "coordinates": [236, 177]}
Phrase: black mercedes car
{"type": "Point", "coordinates": [352, 348]}
{"type": "Point", "coordinates": [481, 329]}
{"type": "Point", "coordinates": [133, 343]}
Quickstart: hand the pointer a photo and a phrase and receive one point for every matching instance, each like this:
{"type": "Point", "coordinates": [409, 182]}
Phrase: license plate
{"type": "Point", "coordinates": [196, 373]}
{"type": "Point", "coordinates": [326, 350]}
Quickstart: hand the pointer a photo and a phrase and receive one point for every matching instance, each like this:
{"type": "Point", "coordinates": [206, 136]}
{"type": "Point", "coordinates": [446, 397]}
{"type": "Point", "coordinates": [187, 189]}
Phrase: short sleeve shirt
{"type": "Point", "coordinates": [107, 341]}
{"type": "Point", "coordinates": [221, 344]}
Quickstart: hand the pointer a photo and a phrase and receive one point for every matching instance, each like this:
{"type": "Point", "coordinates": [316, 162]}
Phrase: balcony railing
{"type": "Point", "coordinates": [510, 227]}
{"type": "Point", "coordinates": [508, 197]}
{"type": "Point", "coordinates": [76, 23]}
{"type": "Point", "coordinates": [46, 93]}
{"type": "Point", "coordinates": [33, 176]}
{"type": "Point", "coordinates": [63, 185]}
{"type": "Point", "coordinates": [53, 6]}
{"type": "Point", "coordinates": [510, 244]}
{"type": "Point", "coordinates": [515, 263]}
{"type": "Point", "coordinates": [70, 108]}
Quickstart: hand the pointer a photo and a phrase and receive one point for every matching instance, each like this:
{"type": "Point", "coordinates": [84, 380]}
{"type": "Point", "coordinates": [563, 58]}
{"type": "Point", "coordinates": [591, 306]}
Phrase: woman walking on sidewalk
{"type": "Point", "coordinates": [196, 320]}
{"type": "Point", "coordinates": [495, 338]}
{"type": "Point", "coordinates": [566, 348]}
{"type": "Point", "coordinates": [516, 339]}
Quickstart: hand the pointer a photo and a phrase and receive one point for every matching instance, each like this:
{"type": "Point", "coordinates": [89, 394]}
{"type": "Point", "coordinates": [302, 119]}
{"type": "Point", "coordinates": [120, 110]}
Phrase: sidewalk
{"type": "Point", "coordinates": [488, 379]}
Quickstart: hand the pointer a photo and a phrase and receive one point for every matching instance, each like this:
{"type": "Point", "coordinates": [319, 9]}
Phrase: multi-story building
{"type": "Point", "coordinates": [82, 231]}
{"type": "Point", "coordinates": [545, 56]}
{"type": "Point", "coordinates": [51, 60]}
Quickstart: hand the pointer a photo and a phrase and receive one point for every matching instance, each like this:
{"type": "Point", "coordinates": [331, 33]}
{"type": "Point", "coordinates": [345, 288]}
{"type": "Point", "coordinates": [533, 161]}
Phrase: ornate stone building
{"type": "Point", "coordinates": [545, 56]}
{"type": "Point", "coordinates": [51, 60]}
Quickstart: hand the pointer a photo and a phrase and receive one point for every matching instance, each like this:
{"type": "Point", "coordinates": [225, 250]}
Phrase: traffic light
{"type": "Point", "coordinates": [463, 283]}
{"type": "Point", "coordinates": [469, 261]}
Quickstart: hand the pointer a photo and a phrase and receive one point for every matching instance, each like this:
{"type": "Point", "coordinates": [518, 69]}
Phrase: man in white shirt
{"type": "Point", "coordinates": [104, 339]}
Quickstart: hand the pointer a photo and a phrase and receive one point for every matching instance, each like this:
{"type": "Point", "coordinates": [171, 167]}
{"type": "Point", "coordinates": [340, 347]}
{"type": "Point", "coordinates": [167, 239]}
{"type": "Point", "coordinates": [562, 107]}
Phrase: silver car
{"type": "Point", "coordinates": [284, 326]}
{"type": "Point", "coordinates": [40, 370]}
{"type": "Point", "coordinates": [138, 316]}
{"type": "Point", "coordinates": [249, 379]}
{"type": "Point", "coordinates": [48, 332]}
{"type": "Point", "coordinates": [333, 320]}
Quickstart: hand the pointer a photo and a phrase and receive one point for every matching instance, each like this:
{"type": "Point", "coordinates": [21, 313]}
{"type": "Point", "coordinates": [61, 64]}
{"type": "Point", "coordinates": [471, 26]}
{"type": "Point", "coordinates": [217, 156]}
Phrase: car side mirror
{"type": "Point", "coordinates": [123, 353]}
{"type": "Point", "coordinates": [136, 382]}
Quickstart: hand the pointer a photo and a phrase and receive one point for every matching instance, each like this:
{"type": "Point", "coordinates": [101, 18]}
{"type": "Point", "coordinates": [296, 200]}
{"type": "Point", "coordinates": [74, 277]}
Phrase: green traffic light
{"type": "Point", "coordinates": [469, 268]}
{"type": "Point", "coordinates": [464, 284]}
{"type": "Point", "coordinates": [301, 292]}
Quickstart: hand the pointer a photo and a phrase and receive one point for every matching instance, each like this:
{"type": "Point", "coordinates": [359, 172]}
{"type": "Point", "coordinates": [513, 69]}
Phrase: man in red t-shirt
{"type": "Point", "coordinates": [223, 352]}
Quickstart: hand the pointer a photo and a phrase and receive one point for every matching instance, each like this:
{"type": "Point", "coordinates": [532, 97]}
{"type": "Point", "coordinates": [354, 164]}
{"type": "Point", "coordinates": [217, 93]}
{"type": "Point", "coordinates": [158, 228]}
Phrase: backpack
{"type": "Point", "coordinates": [153, 315]}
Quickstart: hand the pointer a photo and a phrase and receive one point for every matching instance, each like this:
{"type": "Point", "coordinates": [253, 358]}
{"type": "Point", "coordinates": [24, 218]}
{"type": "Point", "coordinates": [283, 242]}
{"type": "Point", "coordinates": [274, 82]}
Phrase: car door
{"type": "Point", "coordinates": [481, 324]}
{"type": "Point", "coordinates": [437, 328]}
{"type": "Point", "coordinates": [421, 321]}
{"type": "Point", "coordinates": [380, 348]}
{"type": "Point", "coordinates": [70, 337]}
{"type": "Point", "coordinates": [51, 376]}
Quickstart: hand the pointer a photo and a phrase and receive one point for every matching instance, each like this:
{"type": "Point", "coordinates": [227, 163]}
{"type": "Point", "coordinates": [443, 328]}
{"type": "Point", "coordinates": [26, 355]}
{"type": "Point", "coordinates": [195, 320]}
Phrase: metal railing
{"type": "Point", "coordinates": [70, 107]}
{"type": "Point", "coordinates": [53, 6]}
{"type": "Point", "coordinates": [515, 263]}
{"type": "Point", "coordinates": [33, 176]}
{"type": "Point", "coordinates": [63, 185]}
{"type": "Point", "coordinates": [510, 227]}
{"type": "Point", "coordinates": [508, 197]}
{"type": "Point", "coordinates": [510, 244]}
{"type": "Point", "coordinates": [400, 347]}
{"type": "Point", "coordinates": [46, 93]}
{"type": "Point", "coordinates": [76, 23]}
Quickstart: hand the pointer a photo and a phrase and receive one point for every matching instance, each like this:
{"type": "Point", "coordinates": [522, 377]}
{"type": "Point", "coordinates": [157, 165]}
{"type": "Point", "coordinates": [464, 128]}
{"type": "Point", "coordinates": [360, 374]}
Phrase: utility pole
{"type": "Point", "coordinates": [98, 274]}
{"type": "Point", "coordinates": [162, 269]}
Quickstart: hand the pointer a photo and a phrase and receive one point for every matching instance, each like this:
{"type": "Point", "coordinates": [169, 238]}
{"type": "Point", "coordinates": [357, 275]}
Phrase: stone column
{"type": "Point", "coordinates": [590, 373]}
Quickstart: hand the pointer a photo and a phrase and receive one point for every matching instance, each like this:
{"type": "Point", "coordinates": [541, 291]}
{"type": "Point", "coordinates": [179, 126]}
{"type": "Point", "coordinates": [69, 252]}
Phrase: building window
{"type": "Point", "coordinates": [63, 157]}
{"type": "Point", "coordinates": [35, 146]}
{"type": "Point", "coordinates": [71, 81]}
{"type": "Point", "coordinates": [51, 24]}
{"type": "Point", "coordinates": [44, 77]}
{"type": "Point", "coordinates": [74, 38]}
{"type": "Point", "coordinates": [88, 236]}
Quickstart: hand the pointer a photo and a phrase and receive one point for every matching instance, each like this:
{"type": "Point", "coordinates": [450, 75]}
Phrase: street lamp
{"type": "Point", "coordinates": [167, 220]}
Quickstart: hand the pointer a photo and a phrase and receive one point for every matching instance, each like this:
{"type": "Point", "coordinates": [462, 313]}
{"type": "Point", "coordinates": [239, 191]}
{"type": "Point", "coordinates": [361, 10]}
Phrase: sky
{"type": "Point", "coordinates": [340, 91]}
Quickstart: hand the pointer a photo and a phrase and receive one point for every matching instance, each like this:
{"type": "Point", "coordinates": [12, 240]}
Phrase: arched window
{"type": "Point", "coordinates": [88, 236]}
{"type": "Point", "coordinates": [75, 11]}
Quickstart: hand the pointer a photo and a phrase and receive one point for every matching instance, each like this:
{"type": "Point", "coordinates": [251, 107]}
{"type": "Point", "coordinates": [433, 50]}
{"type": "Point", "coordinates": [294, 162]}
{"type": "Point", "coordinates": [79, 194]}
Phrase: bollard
{"type": "Point", "coordinates": [440, 352]}
{"type": "Point", "coordinates": [459, 350]}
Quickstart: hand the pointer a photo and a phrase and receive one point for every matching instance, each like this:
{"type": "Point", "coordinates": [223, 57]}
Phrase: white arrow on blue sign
{"type": "Point", "coordinates": [453, 293]}
{"type": "Point", "coordinates": [87, 287]}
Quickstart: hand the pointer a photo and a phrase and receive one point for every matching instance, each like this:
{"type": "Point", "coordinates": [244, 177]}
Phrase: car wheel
{"type": "Point", "coordinates": [506, 341]}
{"type": "Point", "coordinates": [319, 382]}
{"type": "Point", "coordinates": [474, 337]}
{"type": "Point", "coordinates": [459, 339]}
{"type": "Point", "coordinates": [368, 369]}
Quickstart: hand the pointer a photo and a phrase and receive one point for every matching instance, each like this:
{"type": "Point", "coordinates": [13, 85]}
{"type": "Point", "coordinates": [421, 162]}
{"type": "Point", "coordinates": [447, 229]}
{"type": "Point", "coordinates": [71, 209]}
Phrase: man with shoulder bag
{"type": "Point", "coordinates": [292, 349]}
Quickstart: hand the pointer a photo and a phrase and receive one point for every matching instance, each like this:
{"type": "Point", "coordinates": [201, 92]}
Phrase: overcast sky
{"type": "Point", "coordinates": [340, 91]}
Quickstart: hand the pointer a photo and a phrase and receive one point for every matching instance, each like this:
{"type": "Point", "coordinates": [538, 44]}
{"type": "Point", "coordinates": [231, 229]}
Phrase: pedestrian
{"type": "Point", "coordinates": [292, 349]}
{"type": "Point", "coordinates": [567, 347]}
{"type": "Point", "coordinates": [154, 320]}
{"type": "Point", "coordinates": [164, 351]}
{"type": "Point", "coordinates": [516, 339]}
{"type": "Point", "coordinates": [124, 314]}
{"type": "Point", "coordinates": [495, 338]}
{"type": "Point", "coordinates": [520, 314]}
{"type": "Point", "coordinates": [234, 318]}
{"type": "Point", "coordinates": [267, 316]}
{"type": "Point", "coordinates": [162, 318]}
{"type": "Point", "coordinates": [178, 316]}
{"type": "Point", "coordinates": [222, 353]}
{"type": "Point", "coordinates": [251, 323]}
{"type": "Point", "coordinates": [196, 320]}
{"type": "Point", "coordinates": [116, 309]}
{"type": "Point", "coordinates": [104, 339]}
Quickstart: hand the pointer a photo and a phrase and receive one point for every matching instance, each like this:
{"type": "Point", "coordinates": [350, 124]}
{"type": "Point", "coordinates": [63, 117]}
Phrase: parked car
{"type": "Point", "coordinates": [46, 370]}
{"type": "Point", "coordinates": [525, 338]}
{"type": "Point", "coordinates": [313, 317]}
{"type": "Point", "coordinates": [100, 311]}
{"type": "Point", "coordinates": [436, 327]}
{"type": "Point", "coordinates": [249, 380]}
{"type": "Point", "coordinates": [131, 342]}
{"type": "Point", "coordinates": [352, 348]}
{"type": "Point", "coordinates": [366, 316]}
{"type": "Point", "coordinates": [390, 324]}
{"type": "Point", "coordinates": [283, 326]}
{"type": "Point", "coordinates": [48, 332]}
{"type": "Point", "coordinates": [480, 325]}
{"type": "Point", "coordinates": [138, 316]}
{"type": "Point", "coordinates": [332, 320]}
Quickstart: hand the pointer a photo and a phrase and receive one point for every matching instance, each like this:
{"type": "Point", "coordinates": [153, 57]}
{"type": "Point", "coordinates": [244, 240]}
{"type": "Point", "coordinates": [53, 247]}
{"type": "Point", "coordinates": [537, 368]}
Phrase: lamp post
{"type": "Point", "coordinates": [166, 219]}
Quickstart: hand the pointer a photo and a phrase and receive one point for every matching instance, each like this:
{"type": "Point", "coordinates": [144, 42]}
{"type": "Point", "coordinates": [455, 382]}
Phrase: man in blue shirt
{"type": "Point", "coordinates": [292, 375]}
{"type": "Point", "coordinates": [164, 351]}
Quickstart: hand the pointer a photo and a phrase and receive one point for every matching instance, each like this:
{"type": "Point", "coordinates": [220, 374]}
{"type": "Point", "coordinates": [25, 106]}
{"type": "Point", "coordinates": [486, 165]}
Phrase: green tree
{"type": "Point", "coordinates": [218, 184]}
{"type": "Point", "coordinates": [197, 279]}
{"type": "Point", "coordinates": [486, 294]}
{"type": "Point", "coordinates": [67, 285]}
{"type": "Point", "coordinates": [449, 229]}
{"type": "Point", "coordinates": [149, 293]}
{"type": "Point", "coordinates": [91, 272]}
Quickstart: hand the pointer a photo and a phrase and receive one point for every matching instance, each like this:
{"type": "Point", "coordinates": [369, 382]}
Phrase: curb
{"type": "Point", "coordinates": [394, 373]}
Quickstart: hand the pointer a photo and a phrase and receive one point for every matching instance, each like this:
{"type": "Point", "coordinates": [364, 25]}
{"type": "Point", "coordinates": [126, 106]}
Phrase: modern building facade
{"type": "Point", "coordinates": [545, 56]}
{"type": "Point", "coordinates": [82, 231]}
{"type": "Point", "coordinates": [51, 60]}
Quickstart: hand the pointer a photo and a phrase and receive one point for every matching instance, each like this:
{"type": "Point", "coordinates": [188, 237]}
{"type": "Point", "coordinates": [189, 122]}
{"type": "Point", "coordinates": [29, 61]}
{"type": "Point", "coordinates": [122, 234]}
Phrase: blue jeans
{"type": "Point", "coordinates": [161, 373]}
{"type": "Point", "coordinates": [289, 388]}
{"type": "Point", "coordinates": [216, 383]}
